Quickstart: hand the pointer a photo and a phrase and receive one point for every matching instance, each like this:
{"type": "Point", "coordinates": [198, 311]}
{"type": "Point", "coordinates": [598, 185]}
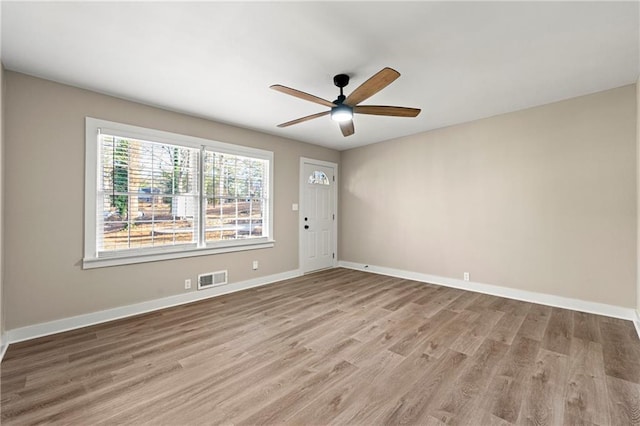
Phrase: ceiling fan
{"type": "Point", "coordinates": [343, 108]}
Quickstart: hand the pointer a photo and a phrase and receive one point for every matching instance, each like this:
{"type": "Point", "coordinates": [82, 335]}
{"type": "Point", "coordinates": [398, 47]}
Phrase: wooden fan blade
{"type": "Point", "coordinates": [372, 86]}
{"type": "Point", "coordinates": [301, 95]}
{"type": "Point", "coordinates": [392, 111]}
{"type": "Point", "coordinates": [307, 118]}
{"type": "Point", "coordinates": [347, 128]}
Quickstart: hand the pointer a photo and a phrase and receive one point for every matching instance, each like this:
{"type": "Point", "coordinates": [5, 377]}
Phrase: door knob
{"type": "Point", "coordinates": [306, 227]}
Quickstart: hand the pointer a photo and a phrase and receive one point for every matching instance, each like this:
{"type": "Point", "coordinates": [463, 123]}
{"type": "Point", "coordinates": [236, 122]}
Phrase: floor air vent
{"type": "Point", "coordinates": [212, 279]}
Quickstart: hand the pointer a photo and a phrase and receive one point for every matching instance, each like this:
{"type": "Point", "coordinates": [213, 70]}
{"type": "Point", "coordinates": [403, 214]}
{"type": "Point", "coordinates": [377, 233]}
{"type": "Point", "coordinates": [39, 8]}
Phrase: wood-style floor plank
{"type": "Point", "coordinates": [412, 406]}
{"type": "Point", "coordinates": [621, 355]}
{"type": "Point", "coordinates": [543, 402]}
{"type": "Point", "coordinates": [559, 331]}
{"type": "Point", "coordinates": [339, 347]}
{"type": "Point", "coordinates": [586, 388]}
{"type": "Point", "coordinates": [535, 323]}
{"type": "Point", "coordinates": [624, 401]}
{"type": "Point", "coordinates": [509, 387]}
{"type": "Point", "coordinates": [455, 406]}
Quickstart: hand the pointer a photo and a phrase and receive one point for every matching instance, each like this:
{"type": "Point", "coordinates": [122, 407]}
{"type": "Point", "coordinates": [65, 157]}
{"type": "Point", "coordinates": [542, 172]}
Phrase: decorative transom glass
{"type": "Point", "coordinates": [318, 178]}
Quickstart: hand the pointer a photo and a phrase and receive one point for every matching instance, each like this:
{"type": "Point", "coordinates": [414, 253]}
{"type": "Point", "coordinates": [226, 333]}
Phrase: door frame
{"type": "Point", "coordinates": [301, 198]}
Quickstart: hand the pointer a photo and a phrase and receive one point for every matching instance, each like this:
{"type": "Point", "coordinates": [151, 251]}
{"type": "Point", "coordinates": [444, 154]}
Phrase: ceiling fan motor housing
{"type": "Point", "coordinates": [341, 80]}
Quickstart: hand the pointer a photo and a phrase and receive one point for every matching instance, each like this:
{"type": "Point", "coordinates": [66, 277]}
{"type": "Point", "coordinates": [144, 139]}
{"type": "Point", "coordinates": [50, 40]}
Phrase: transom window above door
{"type": "Point", "coordinates": [318, 178]}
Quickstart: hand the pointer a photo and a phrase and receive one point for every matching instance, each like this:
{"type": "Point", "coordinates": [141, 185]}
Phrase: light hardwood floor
{"type": "Point", "coordinates": [335, 347]}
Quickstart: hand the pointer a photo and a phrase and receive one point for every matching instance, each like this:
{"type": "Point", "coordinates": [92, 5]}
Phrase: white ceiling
{"type": "Point", "coordinates": [459, 61]}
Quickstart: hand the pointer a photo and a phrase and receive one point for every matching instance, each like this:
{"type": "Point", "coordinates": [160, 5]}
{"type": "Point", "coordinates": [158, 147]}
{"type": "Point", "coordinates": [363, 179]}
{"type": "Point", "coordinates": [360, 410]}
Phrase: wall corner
{"type": "Point", "coordinates": [638, 203]}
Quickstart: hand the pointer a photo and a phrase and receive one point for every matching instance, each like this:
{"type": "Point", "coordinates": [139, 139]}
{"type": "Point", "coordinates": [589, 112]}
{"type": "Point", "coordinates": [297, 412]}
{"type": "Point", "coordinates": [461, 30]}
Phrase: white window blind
{"type": "Point", "coordinates": [236, 196]}
{"type": "Point", "coordinates": [148, 194]}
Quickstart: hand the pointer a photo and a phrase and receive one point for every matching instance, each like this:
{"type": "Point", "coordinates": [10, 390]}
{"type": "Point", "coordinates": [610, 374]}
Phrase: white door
{"type": "Point", "coordinates": [317, 215]}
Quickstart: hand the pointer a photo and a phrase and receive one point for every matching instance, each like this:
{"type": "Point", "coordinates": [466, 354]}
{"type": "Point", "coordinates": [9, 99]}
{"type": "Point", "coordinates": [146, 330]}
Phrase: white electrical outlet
{"type": "Point", "coordinates": [187, 284]}
{"type": "Point", "coordinates": [255, 265]}
{"type": "Point", "coordinates": [466, 276]}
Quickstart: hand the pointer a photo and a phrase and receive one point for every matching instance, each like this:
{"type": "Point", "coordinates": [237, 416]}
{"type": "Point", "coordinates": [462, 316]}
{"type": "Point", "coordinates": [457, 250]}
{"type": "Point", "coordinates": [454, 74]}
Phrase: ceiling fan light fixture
{"type": "Point", "coordinates": [341, 113]}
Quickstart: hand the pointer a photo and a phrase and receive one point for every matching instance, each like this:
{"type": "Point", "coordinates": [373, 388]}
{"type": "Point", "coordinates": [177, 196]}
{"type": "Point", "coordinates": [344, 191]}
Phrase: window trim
{"type": "Point", "coordinates": [91, 258]}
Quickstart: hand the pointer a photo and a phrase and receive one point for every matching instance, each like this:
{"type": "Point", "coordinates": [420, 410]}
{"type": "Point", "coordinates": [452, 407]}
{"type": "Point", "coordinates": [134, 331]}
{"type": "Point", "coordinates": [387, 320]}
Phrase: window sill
{"type": "Point", "coordinates": [128, 260]}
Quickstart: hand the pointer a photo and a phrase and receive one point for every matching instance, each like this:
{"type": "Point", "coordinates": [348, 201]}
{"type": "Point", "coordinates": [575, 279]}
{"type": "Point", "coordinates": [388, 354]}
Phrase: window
{"type": "Point", "coordinates": [318, 178]}
{"type": "Point", "coordinates": [153, 195]}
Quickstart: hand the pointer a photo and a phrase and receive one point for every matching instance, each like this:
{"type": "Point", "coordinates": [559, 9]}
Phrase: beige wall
{"type": "Point", "coordinates": [542, 200]}
{"type": "Point", "coordinates": [44, 153]}
{"type": "Point", "coordinates": [638, 190]}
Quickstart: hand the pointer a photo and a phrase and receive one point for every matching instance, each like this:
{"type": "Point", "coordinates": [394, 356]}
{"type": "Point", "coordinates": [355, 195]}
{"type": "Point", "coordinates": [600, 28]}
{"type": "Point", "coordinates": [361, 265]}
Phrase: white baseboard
{"type": "Point", "coordinates": [71, 323]}
{"type": "Point", "coordinates": [511, 293]}
{"type": "Point", "coordinates": [4, 346]}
